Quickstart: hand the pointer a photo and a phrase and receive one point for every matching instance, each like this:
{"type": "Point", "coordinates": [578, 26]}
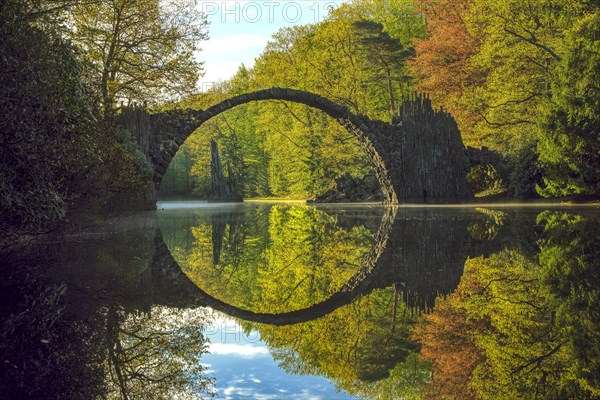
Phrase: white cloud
{"type": "Point", "coordinates": [232, 44]}
{"type": "Point", "coordinates": [223, 56]}
{"type": "Point", "coordinates": [238, 349]}
{"type": "Point", "coordinates": [232, 392]}
{"type": "Point", "coordinates": [217, 71]}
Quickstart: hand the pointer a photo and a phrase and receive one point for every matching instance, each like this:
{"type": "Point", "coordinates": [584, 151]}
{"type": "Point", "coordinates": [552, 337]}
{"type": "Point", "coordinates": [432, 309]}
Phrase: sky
{"type": "Point", "coordinates": [239, 31]}
{"type": "Point", "coordinates": [245, 369]}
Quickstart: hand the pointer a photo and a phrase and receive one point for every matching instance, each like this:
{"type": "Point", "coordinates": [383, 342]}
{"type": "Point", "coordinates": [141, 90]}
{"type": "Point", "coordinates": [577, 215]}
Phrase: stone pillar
{"type": "Point", "coordinates": [137, 122]}
{"type": "Point", "coordinates": [425, 155]}
{"type": "Point", "coordinates": [221, 187]}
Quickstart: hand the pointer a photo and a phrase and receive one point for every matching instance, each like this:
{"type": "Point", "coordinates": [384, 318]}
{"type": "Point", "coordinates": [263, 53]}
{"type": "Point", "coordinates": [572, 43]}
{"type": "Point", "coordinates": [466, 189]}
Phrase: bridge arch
{"type": "Point", "coordinates": [168, 130]}
{"type": "Point", "coordinates": [341, 114]}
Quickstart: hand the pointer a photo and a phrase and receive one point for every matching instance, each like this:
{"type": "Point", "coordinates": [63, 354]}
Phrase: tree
{"type": "Point", "coordinates": [384, 58]}
{"type": "Point", "coordinates": [139, 50]}
{"type": "Point", "coordinates": [569, 144]}
{"type": "Point", "coordinates": [521, 44]}
{"type": "Point", "coordinates": [442, 64]}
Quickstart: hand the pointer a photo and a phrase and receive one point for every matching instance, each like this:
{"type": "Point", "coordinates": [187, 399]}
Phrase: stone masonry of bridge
{"type": "Point", "coordinates": [418, 158]}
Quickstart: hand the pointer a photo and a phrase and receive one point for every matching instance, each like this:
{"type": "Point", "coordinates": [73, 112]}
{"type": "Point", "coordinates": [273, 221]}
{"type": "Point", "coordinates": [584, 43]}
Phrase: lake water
{"type": "Point", "coordinates": [287, 301]}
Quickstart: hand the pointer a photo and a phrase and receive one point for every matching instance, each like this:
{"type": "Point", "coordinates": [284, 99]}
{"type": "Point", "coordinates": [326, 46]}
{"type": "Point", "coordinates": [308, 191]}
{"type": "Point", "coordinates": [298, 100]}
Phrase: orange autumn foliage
{"type": "Point", "coordinates": [441, 64]}
{"type": "Point", "coordinates": [446, 340]}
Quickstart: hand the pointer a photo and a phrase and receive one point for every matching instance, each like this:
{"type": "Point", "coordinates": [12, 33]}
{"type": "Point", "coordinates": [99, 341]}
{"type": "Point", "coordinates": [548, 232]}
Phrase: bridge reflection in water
{"type": "Point", "coordinates": [420, 252]}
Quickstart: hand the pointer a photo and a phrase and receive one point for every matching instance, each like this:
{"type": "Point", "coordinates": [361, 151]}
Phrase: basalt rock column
{"type": "Point", "coordinates": [221, 187]}
{"type": "Point", "coordinates": [426, 156]}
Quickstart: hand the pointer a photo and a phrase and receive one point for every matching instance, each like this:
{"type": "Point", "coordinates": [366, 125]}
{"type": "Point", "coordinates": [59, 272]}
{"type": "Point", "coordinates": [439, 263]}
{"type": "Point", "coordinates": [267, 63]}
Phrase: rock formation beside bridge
{"type": "Point", "coordinates": [222, 188]}
{"type": "Point", "coordinates": [347, 189]}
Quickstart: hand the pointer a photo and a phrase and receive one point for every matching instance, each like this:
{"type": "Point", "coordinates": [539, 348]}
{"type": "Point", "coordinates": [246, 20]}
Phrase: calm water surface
{"type": "Point", "coordinates": [287, 301]}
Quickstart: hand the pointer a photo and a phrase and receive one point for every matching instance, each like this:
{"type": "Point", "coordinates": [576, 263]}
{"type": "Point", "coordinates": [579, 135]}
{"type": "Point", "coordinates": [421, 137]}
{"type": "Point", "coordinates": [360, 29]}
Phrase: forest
{"type": "Point", "coordinates": [520, 78]}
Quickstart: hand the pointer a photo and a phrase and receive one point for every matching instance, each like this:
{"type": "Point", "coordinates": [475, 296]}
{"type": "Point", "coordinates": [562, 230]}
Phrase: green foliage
{"type": "Point", "coordinates": [511, 326]}
{"type": "Point", "coordinates": [140, 50]}
{"type": "Point", "coordinates": [384, 59]}
{"type": "Point", "coordinates": [486, 224]}
{"type": "Point", "coordinates": [485, 180]}
{"type": "Point", "coordinates": [570, 257]}
{"type": "Point", "coordinates": [365, 348]}
{"type": "Point", "coordinates": [570, 130]}
{"type": "Point", "coordinates": [138, 159]}
{"type": "Point", "coordinates": [522, 346]}
{"type": "Point", "coordinates": [47, 125]}
{"type": "Point", "coordinates": [119, 181]}
{"type": "Point", "coordinates": [521, 44]}
{"type": "Point", "coordinates": [271, 259]}
{"type": "Point", "coordinates": [401, 19]}
{"type": "Point", "coordinates": [188, 174]}
{"type": "Point", "coordinates": [524, 171]}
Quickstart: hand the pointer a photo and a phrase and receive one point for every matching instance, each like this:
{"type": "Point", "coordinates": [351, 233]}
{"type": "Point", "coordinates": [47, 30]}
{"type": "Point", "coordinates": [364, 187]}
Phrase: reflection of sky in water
{"type": "Point", "coordinates": [245, 369]}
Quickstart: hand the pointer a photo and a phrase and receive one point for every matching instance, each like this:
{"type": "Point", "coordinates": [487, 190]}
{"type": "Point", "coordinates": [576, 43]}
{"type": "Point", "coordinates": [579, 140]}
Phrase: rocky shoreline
{"type": "Point", "coordinates": [348, 190]}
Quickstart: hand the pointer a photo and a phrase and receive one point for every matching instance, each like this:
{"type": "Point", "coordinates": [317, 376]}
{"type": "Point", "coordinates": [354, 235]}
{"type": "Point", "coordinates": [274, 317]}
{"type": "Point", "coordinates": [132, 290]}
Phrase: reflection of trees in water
{"type": "Point", "coordinates": [291, 257]}
{"type": "Point", "coordinates": [365, 346]}
{"type": "Point", "coordinates": [508, 328]}
{"type": "Point", "coordinates": [487, 224]}
{"type": "Point", "coordinates": [84, 327]}
{"type": "Point", "coordinates": [271, 258]}
{"type": "Point", "coordinates": [155, 355]}
{"type": "Point", "coordinates": [362, 347]}
{"type": "Point", "coordinates": [570, 257]}
{"type": "Point", "coordinates": [521, 326]}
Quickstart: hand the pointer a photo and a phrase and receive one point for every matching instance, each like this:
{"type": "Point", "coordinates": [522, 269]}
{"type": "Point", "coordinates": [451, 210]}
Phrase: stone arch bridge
{"type": "Point", "coordinates": [419, 158]}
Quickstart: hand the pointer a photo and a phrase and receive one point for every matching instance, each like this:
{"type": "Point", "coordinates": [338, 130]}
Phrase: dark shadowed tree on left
{"type": "Point", "coordinates": [55, 150]}
{"type": "Point", "coordinates": [45, 117]}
